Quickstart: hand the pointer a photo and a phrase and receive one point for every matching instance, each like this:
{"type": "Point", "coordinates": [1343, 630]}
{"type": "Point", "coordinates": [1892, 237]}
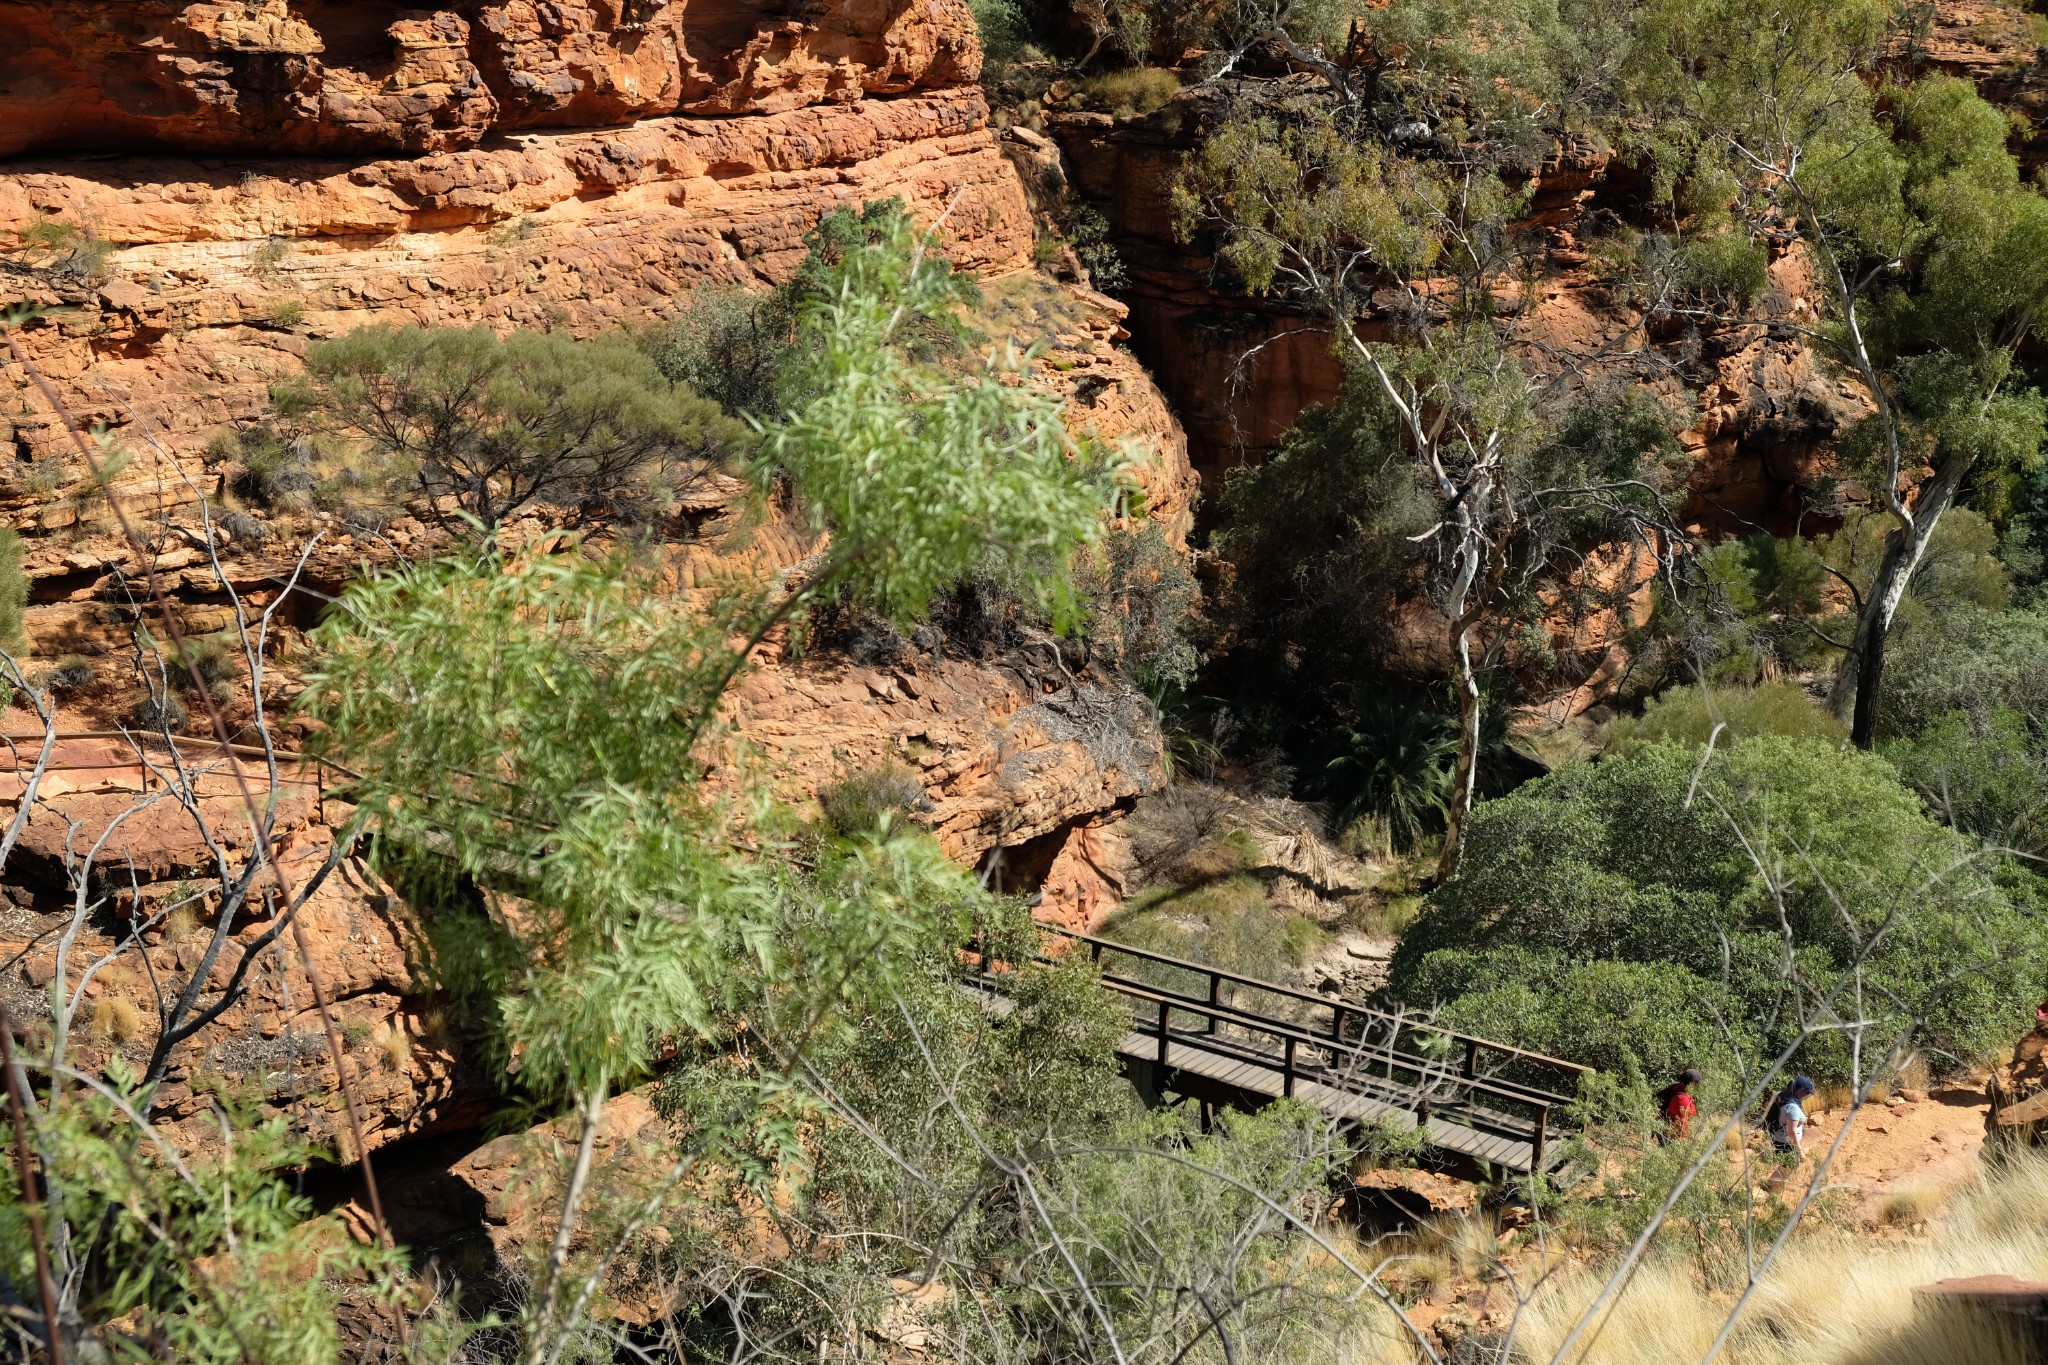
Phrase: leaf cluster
{"type": "Point", "coordinates": [1617, 900]}
{"type": "Point", "coordinates": [492, 426]}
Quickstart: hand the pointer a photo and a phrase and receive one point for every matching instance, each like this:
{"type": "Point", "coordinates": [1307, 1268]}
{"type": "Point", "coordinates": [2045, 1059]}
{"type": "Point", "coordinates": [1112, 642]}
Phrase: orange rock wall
{"type": "Point", "coordinates": [585, 230]}
{"type": "Point", "coordinates": [373, 77]}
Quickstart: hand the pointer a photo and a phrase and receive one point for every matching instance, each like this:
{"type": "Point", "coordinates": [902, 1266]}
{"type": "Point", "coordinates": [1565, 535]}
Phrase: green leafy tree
{"type": "Point", "coordinates": [1661, 910]}
{"type": "Point", "coordinates": [923, 474]}
{"type": "Point", "coordinates": [499, 425]}
{"type": "Point", "coordinates": [1932, 251]}
{"type": "Point", "coordinates": [541, 727]}
{"type": "Point", "coordinates": [1312, 203]}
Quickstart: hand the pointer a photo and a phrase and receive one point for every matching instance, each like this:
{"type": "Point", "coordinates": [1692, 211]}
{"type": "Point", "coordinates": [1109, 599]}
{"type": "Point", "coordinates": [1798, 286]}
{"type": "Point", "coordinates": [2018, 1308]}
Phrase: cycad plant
{"type": "Point", "coordinates": [1395, 763]}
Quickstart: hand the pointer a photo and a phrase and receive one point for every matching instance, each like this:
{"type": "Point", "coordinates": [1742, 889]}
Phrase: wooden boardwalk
{"type": "Point", "coordinates": [1225, 1038]}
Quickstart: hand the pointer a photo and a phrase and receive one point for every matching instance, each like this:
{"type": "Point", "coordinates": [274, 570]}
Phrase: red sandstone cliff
{"type": "Point", "coordinates": [270, 172]}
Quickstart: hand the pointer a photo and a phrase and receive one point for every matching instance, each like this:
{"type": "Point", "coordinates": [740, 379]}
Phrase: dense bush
{"type": "Point", "coordinates": [1965, 713]}
{"type": "Point", "coordinates": [873, 799]}
{"type": "Point", "coordinates": [1688, 715]}
{"type": "Point", "coordinates": [1983, 770]}
{"type": "Point", "coordinates": [1141, 603]}
{"type": "Point", "coordinates": [730, 345]}
{"type": "Point", "coordinates": [497, 425]}
{"type": "Point", "coordinates": [1976, 661]}
{"type": "Point", "coordinates": [1396, 766]}
{"type": "Point", "coordinates": [1610, 894]}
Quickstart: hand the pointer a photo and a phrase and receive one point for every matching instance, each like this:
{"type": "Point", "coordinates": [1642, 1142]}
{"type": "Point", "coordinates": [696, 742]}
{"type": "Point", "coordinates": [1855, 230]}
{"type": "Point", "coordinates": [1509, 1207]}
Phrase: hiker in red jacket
{"type": "Point", "coordinates": [1676, 1106]}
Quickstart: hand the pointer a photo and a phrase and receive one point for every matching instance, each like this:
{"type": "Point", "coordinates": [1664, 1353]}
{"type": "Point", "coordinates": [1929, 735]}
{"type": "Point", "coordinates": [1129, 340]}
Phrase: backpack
{"type": "Point", "coordinates": [1772, 1110]}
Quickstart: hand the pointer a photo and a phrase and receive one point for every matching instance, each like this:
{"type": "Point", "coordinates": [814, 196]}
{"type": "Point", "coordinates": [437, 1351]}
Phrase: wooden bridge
{"type": "Point", "coordinates": [1222, 1038]}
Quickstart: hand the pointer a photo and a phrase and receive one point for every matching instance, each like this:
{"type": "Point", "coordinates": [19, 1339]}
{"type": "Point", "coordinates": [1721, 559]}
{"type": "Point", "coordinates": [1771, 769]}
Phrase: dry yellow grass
{"type": "Point", "coordinates": [1831, 1298]}
{"type": "Point", "coordinates": [395, 1049]}
{"type": "Point", "coordinates": [1910, 1205]}
{"type": "Point", "coordinates": [115, 1020]}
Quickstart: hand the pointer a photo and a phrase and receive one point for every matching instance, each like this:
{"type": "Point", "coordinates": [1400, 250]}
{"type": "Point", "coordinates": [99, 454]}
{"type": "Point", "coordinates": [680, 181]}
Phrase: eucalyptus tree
{"type": "Point", "coordinates": [1312, 200]}
{"type": "Point", "coordinates": [1929, 250]}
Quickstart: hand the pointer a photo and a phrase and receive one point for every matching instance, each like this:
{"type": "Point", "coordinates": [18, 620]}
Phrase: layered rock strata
{"type": "Point", "coordinates": [374, 77]}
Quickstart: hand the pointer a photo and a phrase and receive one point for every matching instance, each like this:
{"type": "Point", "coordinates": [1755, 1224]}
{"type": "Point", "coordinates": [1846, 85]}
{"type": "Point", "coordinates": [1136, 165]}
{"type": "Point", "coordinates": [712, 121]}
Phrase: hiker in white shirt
{"type": "Point", "coordinates": [1786, 1120]}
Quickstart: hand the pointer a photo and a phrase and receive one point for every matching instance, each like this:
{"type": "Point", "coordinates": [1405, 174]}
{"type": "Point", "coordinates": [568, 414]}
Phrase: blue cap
{"type": "Point", "coordinates": [1802, 1085]}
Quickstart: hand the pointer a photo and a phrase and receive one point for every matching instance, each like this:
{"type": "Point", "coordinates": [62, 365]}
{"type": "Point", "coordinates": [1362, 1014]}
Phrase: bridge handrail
{"type": "Point", "coordinates": [1287, 1032]}
{"type": "Point", "coordinates": [1535, 1129]}
{"type": "Point", "coordinates": [1279, 1028]}
{"type": "Point", "coordinates": [1289, 992]}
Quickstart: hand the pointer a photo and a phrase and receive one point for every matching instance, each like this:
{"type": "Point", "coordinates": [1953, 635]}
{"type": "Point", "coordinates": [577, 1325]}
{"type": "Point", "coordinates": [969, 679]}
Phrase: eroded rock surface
{"type": "Point", "coordinates": [374, 77]}
{"type": "Point", "coordinates": [142, 856]}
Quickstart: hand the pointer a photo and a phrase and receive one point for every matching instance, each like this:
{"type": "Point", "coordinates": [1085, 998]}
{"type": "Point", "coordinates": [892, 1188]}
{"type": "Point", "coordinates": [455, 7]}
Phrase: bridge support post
{"type": "Point", "coordinates": [1536, 1146]}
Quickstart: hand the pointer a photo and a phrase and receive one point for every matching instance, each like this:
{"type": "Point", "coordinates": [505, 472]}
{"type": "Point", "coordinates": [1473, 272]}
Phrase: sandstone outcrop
{"type": "Point", "coordinates": [2018, 1092]}
{"type": "Point", "coordinates": [225, 272]}
{"type": "Point", "coordinates": [374, 77]}
{"type": "Point", "coordinates": [152, 860]}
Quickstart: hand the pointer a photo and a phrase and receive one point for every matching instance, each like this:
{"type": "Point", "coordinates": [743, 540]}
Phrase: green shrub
{"type": "Point", "coordinates": [1141, 601]}
{"type": "Point", "coordinates": [65, 249]}
{"type": "Point", "coordinates": [273, 468]}
{"type": "Point", "coordinates": [1623, 862]}
{"type": "Point", "coordinates": [498, 425]}
{"type": "Point", "coordinates": [1088, 232]}
{"type": "Point", "coordinates": [1983, 771]}
{"type": "Point", "coordinates": [1395, 766]}
{"type": "Point", "coordinates": [72, 673]}
{"type": "Point", "coordinates": [1688, 715]}
{"type": "Point", "coordinates": [1975, 661]}
{"type": "Point", "coordinates": [1726, 266]}
{"type": "Point", "coordinates": [861, 802]}
{"type": "Point", "coordinates": [730, 345]}
{"type": "Point", "coordinates": [1130, 93]}
{"type": "Point", "coordinates": [217, 659]}
{"type": "Point", "coordinates": [1004, 31]}
{"type": "Point", "coordinates": [159, 714]}
{"type": "Point", "coordinates": [740, 348]}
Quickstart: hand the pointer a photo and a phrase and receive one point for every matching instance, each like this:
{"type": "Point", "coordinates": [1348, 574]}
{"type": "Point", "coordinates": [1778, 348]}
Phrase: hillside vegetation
{"type": "Point", "coordinates": [1453, 684]}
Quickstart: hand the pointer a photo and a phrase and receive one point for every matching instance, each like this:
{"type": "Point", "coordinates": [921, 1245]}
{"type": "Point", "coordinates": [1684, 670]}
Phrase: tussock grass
{"type": "Point", "coordinates": [1831, 1298]}
{"type": "Point", "coordinates": [115, 1020]}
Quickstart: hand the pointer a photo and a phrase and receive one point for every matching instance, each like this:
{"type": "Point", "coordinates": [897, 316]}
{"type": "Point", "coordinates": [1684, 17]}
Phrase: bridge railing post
{"type": "Point", "coordinates": [1471, 1058]}
{"type": "Point", "coordinates": [1215, 998]}
{"type": "Point", "coordinates": [1165, 1013]}
{"type": "Point", "coordinates": [1287, 1070]}
{"type": "Point", "coordinates": [1536, 1147]}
